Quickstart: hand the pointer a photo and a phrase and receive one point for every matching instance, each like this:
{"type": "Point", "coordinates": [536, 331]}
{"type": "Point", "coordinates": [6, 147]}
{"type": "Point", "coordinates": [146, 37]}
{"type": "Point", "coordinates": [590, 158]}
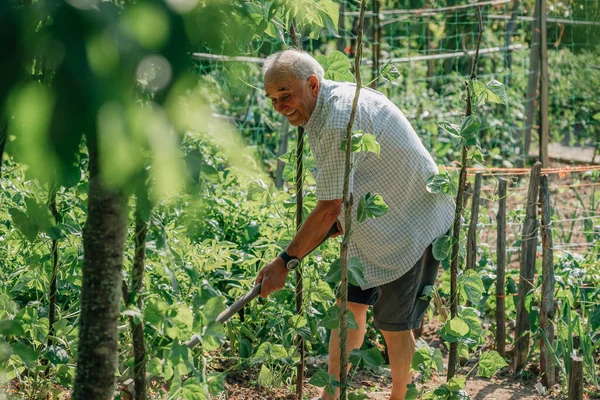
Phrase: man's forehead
{"type": "Point", "coordinates": [277, 80]}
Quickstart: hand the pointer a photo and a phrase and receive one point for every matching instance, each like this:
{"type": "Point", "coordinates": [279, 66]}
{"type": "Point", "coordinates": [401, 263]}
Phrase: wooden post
{"type": "Point", "coordinates": [509, 31]}
{"type": "Point", "coordinates": [532, 86]}
{"type": "Point", "coordinates": [375, 46]}
{"type": "Point", "coordinates": [501, 269]}
{"type": "Point", "coordinates": [527, 270]}
{"type": "Point", "coordinates": [341, 42]}
{"type": "Point", "coordinates": [299, 286]}
{"type": "Point", "coordinates": [299, 218]}
{"type": "Point", "coordinates": [576, 379]}
{"type": "Point", "coordinates": [283, 148]}
{"type": "Point", "coordinates": [547, 307]}
{"type": "Point", "coordinates": [544, 126]}
{"type": "Point", "coordinates": [472, 234]}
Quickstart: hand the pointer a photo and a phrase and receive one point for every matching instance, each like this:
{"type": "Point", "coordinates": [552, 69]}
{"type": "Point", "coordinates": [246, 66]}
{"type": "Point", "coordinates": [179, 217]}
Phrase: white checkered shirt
{"type": "Point", "coordinates": [390, 245]}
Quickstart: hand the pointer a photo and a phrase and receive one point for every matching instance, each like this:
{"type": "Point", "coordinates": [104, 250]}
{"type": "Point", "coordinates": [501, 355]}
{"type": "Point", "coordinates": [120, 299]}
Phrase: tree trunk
{"type": "Point", "coordinates": [103, 245]}
{"type": "Point", "coordinates": [53, 279]}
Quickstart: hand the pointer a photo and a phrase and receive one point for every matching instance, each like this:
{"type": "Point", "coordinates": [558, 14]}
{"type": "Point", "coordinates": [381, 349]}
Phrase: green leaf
{"type": "Point", "coordinates": [442, 247]}
{"type": "Point", "coordinates": [10, 327]}
{"type": "Point", "coordinates": [428, 292]}
{"type": "Point", "coordinates": [390, 72]}
{"type": "Point", "coordinates": [372, 357]}
{"type": "Point", "coordinates": [421, 359]}
{"type": "Point", "coordinates": [265, 377]}
{"type": "Point", "coordinates": [454, 329]}
{"type": "Point", "coordinates": [597, 116]}
{"type": "Point", "coordinates": [370, 206]}
{"type": "Point", "coordinates": [269, 352]}
{"type": "Point", "coordinates": [472, 285]}
{"type": "Point", "coordinates": [334, 273]}
{"type": "Point", "coordinates": [27, 354]}
{"type": "Point", "coordinates": [469, 127]}
{"type": "Point", "coordinates": [337, 67]}
{"type": "Point", "coordinates": [356, 275]}
{"type": "Point", "coordinates": [496, 93]}
{"type": "Point", "coordinates": [213, 307]}
{"type": "Point", "coordinates": [489, 363]}
{"type": "Point", "coordinates": [357, 396]}
{"type": "Point", "coordinates": [362, 143]}
{"type": "Point", "coordinates": [192, 391]}
{"type": "Point", "coordinates": [452, 129]}
{"type": "Point", "coordinates": [456, 384]}
{"type": "Point", "coordinates": [331, 320]}
{"type": "Point", "coordinates": [319, 378]}
{"type": "Point", "coordinates": [154, 367]}
{"type": "Point", "coordinates": [478, 91]}
{"type": "Point", "coordinates": [56, 355]}
{"type": "Point", "coordinates": [27, 226]}
{"type": "Point", "coordinates": [182, 322]}
{"type": "Point", "coordinates": [411, 392]}
{"type": "Point", "coordinates": [594, 318]}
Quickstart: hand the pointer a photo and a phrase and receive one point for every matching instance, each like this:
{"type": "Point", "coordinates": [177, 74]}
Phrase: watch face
{"type": "Point", "coordinates": [292, 264]}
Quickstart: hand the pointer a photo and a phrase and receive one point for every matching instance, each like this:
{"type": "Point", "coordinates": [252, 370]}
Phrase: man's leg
{"type": "Point", "coordinates": [355, 340]}
{"type": "Point", "coordinates": [401, 347]}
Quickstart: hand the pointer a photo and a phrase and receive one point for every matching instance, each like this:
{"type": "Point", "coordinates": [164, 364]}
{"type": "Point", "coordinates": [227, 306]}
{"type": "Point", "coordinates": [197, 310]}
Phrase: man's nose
{"type": "Point", "coordinates": [279, 107]}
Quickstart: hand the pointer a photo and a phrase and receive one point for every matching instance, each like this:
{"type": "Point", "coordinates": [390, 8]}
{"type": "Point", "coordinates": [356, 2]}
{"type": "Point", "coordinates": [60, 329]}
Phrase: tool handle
{"type": "Point", "coordinates": [241, 302]}
{"type": "Point", "coordinates": [245, 299]}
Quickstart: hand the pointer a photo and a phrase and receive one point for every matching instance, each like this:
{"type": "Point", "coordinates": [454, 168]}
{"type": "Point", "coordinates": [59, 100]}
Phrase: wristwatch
{"type": "Point", "coordinates": [291, 263]}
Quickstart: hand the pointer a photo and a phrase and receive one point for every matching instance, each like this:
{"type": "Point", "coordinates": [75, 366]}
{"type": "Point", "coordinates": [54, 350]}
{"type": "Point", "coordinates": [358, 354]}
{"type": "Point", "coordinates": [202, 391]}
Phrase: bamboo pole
{"type": "Point", "coordinates": [472, 233]}
{"type": "Point", "coordinates": [544, 126]}
{"type": "Point", "coordinates": [547, 307]}
{"type": "Point", "coordinates": [501, 269]}
{"type": "Point", "coordinates": [347, 203]}
{"type": "Point", "coordinates": [576, 379]}
{"type": "Point", "coordinates": [454, 295]}
{"type": "Point", "coordinates": [534, 70]}
{"type": "Point", "coordinates": [527, 269]}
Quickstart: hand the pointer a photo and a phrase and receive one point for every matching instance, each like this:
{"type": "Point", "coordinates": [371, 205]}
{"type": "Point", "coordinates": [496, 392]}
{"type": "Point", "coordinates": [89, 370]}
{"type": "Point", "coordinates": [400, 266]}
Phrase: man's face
{"type": "Point", "coordinates": [292, 97]}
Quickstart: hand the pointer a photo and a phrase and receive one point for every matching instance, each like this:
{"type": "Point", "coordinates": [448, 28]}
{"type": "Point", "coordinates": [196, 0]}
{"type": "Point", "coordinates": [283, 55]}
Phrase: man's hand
{"type": "Point", "coordinates": [272, 276]}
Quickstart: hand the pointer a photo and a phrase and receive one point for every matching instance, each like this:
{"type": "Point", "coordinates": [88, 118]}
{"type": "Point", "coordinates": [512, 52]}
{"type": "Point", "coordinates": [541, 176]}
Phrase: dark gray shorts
{"type": "Point", "coordinates": [396, 305]}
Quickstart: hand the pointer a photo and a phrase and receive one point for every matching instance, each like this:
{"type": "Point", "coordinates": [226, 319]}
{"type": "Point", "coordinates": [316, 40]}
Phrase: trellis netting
{"type": "Point", "coordinates": [431, 45]}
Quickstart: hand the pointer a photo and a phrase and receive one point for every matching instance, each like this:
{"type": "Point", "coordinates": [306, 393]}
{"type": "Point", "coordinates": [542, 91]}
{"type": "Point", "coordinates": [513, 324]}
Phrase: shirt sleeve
{"type": "Point", "coordinates": [331, 166]}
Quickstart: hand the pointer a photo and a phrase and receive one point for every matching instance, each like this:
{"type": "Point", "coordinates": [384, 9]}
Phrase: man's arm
{"type": "Point", "coordinates": [310, 234]}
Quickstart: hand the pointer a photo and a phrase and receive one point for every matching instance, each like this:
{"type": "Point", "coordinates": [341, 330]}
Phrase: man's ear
{"type": "Point", "coordinates": [313, 84]}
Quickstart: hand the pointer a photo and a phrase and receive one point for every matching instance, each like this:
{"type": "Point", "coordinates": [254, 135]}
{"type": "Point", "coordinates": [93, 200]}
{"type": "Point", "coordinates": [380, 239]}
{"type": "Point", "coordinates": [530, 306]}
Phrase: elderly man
{"type": "Point", "coordinates": [394, 249]}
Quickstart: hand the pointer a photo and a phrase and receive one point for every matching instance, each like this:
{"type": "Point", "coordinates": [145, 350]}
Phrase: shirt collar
{"type": "Point", "coordinates": [318, 114]}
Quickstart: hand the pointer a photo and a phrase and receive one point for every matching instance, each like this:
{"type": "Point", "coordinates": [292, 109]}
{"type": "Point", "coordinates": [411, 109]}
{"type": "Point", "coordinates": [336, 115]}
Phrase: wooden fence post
{"type": "Point", "coordinates": [547, 307]}
{"type": "Point", "coordinates": [472, 234]}
{"type": "Point", "coordinates": [544, 126]}
{"type": "Point", "coordinates": [527, 269]}
{"type": "Point", "coordinates": [501, 269]}
{"type": "Point", "coordinates": [532, 85]}
{"type": "Point", "coordinates": [576, 379]}
{"type": "Point", "coordinates": [375, 45]}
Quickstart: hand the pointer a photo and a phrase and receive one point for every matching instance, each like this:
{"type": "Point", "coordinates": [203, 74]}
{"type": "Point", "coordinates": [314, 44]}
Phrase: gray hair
{"type": "Point", "coordinates": [298, 62]}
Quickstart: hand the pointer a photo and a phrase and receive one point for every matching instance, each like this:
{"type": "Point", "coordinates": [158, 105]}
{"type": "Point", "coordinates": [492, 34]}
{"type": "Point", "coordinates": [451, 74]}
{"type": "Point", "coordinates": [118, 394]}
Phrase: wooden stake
{"type": "Point", "coordinates": [527, 271]}
{"type": "Point", "coordinates": [576, 379]}
{"type": "Point", "coordinates": [532, 86]}
{"type": "Point", "coordinates": [544, 126]}
{"type": "Point", "coordinates": [501, 269]}
{"type": "Point", "coordinates": [347, 202]}
{"type": "Point", "coordinates": [299, 218]}
{"type": "Point", "coordinates": [454, 295]}
{"type": "Point", "coordinates": [375, 46]}
{"type": "Point", "coordinates": [547, 307]}
{"type": "Point", "coordinates": [472, 233]}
